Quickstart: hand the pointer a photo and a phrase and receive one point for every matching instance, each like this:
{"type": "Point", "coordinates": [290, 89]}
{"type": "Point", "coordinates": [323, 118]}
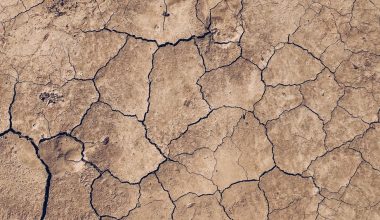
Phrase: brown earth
{"type": "Point", "coordinates": [197, 109]}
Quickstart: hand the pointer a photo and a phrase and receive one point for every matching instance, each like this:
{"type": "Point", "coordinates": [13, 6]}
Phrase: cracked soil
{"type": "Point", "coordinates": [190, 109]}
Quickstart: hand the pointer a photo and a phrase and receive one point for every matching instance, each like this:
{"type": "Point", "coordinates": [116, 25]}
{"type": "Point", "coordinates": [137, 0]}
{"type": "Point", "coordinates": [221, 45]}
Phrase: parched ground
{"type": "Point", "coordinates": [190, 109]}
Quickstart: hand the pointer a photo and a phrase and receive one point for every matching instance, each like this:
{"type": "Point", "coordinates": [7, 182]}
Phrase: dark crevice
{"type": "Point", "coordinates": [198, 84]}
{"type": "Point", "coordinates": [165, 14]}
{"type": "Point", "coordinates": [143, 122]}
{"type": "Point", "coordinates": [11, 104]}
{"type": "Point", "coordinates": [192, 37]}
{"type": "Point", "coordinates": [169, 196]}
{"type": "Point", "coordinates": [49, 174]}
{"type": "Point", "coordinates": [91, 192]}
{"type": "Point", "coordinates": [26, 11]}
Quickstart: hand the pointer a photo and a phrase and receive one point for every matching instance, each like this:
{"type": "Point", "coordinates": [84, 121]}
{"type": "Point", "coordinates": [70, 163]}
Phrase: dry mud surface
{"type": "Point", "coordinates": [190, 109]}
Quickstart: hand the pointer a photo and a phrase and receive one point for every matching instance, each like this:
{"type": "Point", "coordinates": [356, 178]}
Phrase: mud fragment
{"type": "Point", "coordinates": [175, 99]}
{"type": "Point", "coordinates": [216, 55]}
{"type": "Point", "coordinates": [42, 111]}
{"type": "Point", "coordinates": [340, 163]}
{"type": "Point", "coordinates": [291, 65]}
{"type": "Point", "coordinates": [369, 146]}
{"type": "Point", "coordinates": [70, 186]}
{"type": "Point", "coordinates": [113, 198]}
{"type": "Point", "coordinates": [265, 28]}
{"type": "Point", "coordinates": [238, 156]}
{"type": "Point", "coordinates": [162, 21]}
{"type": "Point", "coordinates": [124, 83]}
{"type": "Point", "coordinates": [290, 196]}
{"type": "Point", "coordinates": [208, 133]}
{"type": "Point", "coordinates": [245, 201]}
{"type": "Point", "coordinates": [179, 181]}
{"type": "Point", "coordinates": [199, 207]}
{"type": "Point", "coordinates": [322, 94]}
{"type": "Point", "coordinates": [361, 104]}
{"type": "Point", "coordinates": [342, 128]}
{"type": "Point", "coordinates": [154, 202]}
{"type": "Point", "coordinates": [128, 154]}
{"type": "Point", "coordinates": [298, 138]}
{"type": "Point", "coordinates": [223, 87]}
{"type": "Point", "coordinates": [226, 21]}
{"type": "Point", "coordinates": [24, 176]}
{"type": "Point", "coordinates": [276, 100]}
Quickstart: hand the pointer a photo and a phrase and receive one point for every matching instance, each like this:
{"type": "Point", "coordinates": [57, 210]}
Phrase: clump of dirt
{"type": "Point", "coordinates": [60, 7]}
{"type": "Point", "coordinates": [50, 97]}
